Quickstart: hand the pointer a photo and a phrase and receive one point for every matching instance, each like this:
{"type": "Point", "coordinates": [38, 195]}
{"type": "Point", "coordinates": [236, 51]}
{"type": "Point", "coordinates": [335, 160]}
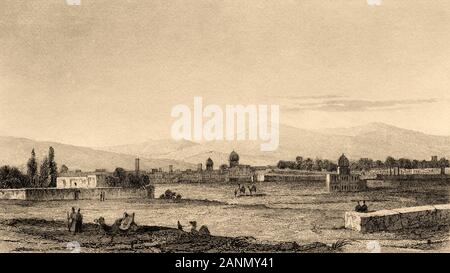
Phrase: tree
{"type": "Point", "coordinates": [415, 164]}
{"type": "Point", "coordinates": [44, 173]}
{"type": "Point", "coordinates": [308, 163]}
{"type": "Point", "coordinates": [317, 166]}
{"type": "Point", "coordinates": [53, 168]}
{"type": "Point", "coordinates": [12, 178]}
{"type": "Point", "coordinates": [63, 169]}
{"type": "Point", "coordinates": [121, 175]}
{"type": "Point", "coordinates": [405, 163]}
{"type": "Point", "coordinates": [282, 164]}
{"type": "Point", "coordinates": [32, 170]}
{"type": "Point", "coordinates": [137, 180]}
{"type": "Point", "coordinates": [299, 162]}
{"type": "Point", "coordinates": [379, 164]}
{"type": "Point", "coordinates": [443, 162]}
{"type": "Point", "coordinates": [390, 163]}
{"type": "Point", "coordinates": [329, 166]}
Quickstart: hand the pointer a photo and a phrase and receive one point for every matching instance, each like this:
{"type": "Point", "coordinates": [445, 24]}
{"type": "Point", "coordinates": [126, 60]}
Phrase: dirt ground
{"type": "Point", "coordinates": [288, 217]}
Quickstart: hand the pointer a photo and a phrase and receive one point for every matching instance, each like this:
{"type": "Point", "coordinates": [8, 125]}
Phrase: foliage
{"type": "Point", "coordinates": [32, 170]}
{"type": "Point", "coordinates": [53, 168]}
{"type": "Point", "coordinates": [362, 164]}
{"type": "Point", "coordinates": [12, 178]}
{"type": "Point", "coordinates": [171, 195]}
{"type": "Point", "coordinates": [121, 178]}
{"type": "Point", "coordinates": [44, 173]}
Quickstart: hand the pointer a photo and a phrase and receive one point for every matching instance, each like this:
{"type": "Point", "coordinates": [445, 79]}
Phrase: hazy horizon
{"type": "Point", "coordinates": [109, 72]}
{"type": "Point", "coordinates": [317, 130]}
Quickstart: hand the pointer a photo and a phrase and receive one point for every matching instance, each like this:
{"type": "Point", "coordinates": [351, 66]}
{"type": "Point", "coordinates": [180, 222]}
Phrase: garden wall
{"type": "Point", "coordinates": [47, 194]}
{"type": "Point", "coordinates": [398, 219]}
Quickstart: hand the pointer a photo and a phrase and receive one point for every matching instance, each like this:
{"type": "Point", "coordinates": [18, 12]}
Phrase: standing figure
{"type": "Point", "coordinates": [73, 221]}
{"type": "Point", "coordinates": [243, 190]}
{"type": "Point", "coordinates": [250, 190]}
{"type": "Point", "coordinates": [358, 207]}
{"type": "Point", "coordinates": [70, 217]}
{"type": "Point", "coordinates": [79, 222]}
{"type": "Point", "coordinates": [180, 227]}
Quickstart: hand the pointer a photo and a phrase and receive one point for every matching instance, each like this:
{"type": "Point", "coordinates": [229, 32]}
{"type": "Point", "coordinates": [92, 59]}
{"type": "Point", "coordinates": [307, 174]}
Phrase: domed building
{"type": "Point", "coordinates": [343, 181]}
{"type": "Point", "coordinates": [343, 165]}
{"type": "Point", "coordinates": [209, 164]}
{"type": "Point", "coordinates": [233, 159]}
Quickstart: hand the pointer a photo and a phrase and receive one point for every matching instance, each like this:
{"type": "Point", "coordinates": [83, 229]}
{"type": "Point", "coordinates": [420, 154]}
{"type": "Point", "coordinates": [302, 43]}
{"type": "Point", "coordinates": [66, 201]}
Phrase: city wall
{"type": "Point", "coordinates": [398, 219]}
{"type": "Point", "coordinates": [48, 194]}
{"type": "Point", "coordinates": [409, 181]}
{"type": "Point", "coordinates": [280, 177]}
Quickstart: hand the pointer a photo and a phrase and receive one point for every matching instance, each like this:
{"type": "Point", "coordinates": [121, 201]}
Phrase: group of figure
{"type": "Point", "coordinates": [202, 231]}
{"type": "Point", "coordinates": [240, 190]}
{"type": "Point", "coordinates": [361, 207]}
{"type": "Point", "coordinates": [75, 221]}
{"type": "Point", "coordinates": [102, 196]}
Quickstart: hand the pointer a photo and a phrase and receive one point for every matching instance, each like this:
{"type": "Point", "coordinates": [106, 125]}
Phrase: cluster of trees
{"type": "Point", "coordinates": [45, 176]}
{"type": "Point", "coordinates": [363, 164]}
{"type": "Point", "coordinates": [308, 164]}
{"type": "Point", "coordinates": [120, 178]}
{"type": "Point", "coordinates": [12, 178]}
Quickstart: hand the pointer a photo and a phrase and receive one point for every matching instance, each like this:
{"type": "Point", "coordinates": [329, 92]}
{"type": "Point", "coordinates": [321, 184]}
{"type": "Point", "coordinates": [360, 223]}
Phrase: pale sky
{"type": "Point", "coordinates": [109, 71]}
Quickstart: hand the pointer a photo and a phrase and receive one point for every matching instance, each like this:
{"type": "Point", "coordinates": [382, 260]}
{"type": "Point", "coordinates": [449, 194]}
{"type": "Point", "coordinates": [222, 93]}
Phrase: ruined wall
{"type": "Point", "coordinates": [48, 194]}
{"type": "Point", "coordinates": [398, 219]}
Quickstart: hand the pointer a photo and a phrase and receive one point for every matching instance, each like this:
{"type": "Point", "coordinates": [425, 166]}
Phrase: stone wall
{"type": "Point", "coordinates": [413, 181]}
{"type": "Point", "coordinates": [415, 177]}
{"type": "Point", "coordinates": [48, 194]}
{"type": "Point", "coordinates": [398, 219]}
{"type": "Point", "coordinates": [276, 177]}
{"type": "Point", "coordinates": [380, 184]}
{"type": "Point", "coordinates": [12, 194]}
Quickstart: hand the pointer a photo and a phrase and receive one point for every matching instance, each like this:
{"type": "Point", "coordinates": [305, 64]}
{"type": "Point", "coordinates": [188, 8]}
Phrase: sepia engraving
{"type": "Point", "coordinates": [224, 127]}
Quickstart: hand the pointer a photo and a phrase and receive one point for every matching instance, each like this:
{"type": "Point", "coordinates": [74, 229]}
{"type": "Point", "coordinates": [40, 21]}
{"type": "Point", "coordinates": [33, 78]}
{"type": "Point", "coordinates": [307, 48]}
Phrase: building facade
{"type": "Point", "coordinates": [344, 181]}
{"type": "Point", "coordinates": [79, 180]}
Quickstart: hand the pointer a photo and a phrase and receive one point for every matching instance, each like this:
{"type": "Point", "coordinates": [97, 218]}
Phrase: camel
{"type": "Point", "coordinates": [120, 226]}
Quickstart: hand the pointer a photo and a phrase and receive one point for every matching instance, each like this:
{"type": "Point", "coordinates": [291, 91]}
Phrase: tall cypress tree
{"type": "Point", "coordinates": [53, 168]}
{"type": "Point", "coordinates": [32, 169]}
{"type": "Point", "coordinates": [44, 173]}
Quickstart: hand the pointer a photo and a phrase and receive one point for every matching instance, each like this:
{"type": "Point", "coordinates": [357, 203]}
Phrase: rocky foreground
{"type": "Point", "coordinates": [148, 239]}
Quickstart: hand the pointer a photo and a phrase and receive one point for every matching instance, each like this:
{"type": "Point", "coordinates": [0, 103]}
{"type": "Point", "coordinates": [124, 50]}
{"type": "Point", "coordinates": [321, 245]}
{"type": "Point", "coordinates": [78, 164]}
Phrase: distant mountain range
{"type": "Point", "coordinates": [16, 152]}
{"type": "Point", "coordinates": [374, 140]}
